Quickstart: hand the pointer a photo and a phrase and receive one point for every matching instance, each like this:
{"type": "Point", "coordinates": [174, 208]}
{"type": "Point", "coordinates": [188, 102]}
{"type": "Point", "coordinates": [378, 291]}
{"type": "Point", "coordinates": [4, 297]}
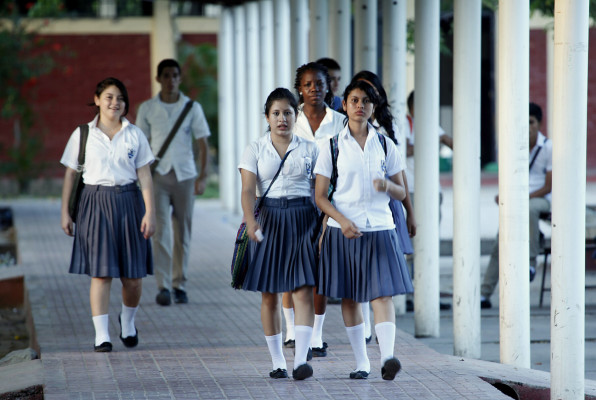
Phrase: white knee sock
{"type": "Point", "coordinates": [289, 317]}
{"type": "Point", "coordinates": [100, 322]}
{"type": "Point", "coordinates": [366, 314]}
{"type": "Point", "coordinates": [303, 336]}
{"type": "Point", "coordinates": [127, 320]}
{"type": "Point", "coordinates": [358, 342]}
{"type": "Point", "coordinates": [386, 334]}
{"type": "Point", "coordinates": [317, 331]}
{"type": "Point", "coordinates": [274, 344]}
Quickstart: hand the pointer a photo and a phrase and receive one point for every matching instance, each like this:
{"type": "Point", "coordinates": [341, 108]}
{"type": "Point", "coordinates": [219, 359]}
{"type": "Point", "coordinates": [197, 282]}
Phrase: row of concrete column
{"type": "Point", "coordinates": [261, 44]}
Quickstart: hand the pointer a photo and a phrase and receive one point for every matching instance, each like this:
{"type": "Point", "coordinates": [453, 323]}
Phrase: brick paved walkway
{"type": "Point", "coordinates": [213, 347]}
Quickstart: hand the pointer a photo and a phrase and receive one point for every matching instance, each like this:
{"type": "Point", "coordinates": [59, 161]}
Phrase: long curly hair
{"type": "Point", "coordinates": [382, 112]}
{"type": "Point", "coordinates": [316, 67]}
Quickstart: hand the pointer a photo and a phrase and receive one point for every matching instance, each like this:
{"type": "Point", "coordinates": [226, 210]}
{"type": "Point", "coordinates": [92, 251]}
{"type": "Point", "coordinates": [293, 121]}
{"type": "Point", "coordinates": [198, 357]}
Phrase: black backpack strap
{"type": "Point", "coordinates": [536, 154]}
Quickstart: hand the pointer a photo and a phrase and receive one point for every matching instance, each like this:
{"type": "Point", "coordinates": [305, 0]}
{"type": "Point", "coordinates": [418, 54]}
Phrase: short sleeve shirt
{"type": "Point", "coordinates": [156, 122]}
{"type": "Point", "coordinates": [295, 178]}
{"type": "Point", "coordinates": [355, 196]}
{"type": "Point", "coordinates": [109, 162]}
{"type": "Point", "coordinates": [410, 160]}
{"type": "Point", "coordinates": [542, 164]}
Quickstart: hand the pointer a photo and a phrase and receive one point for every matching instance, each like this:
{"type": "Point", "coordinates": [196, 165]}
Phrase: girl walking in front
{"type": "Point", "coordinates": [283, 258]}
{"type": "Point", "coordinates": [361, 259]}
{"type": "Point", "coordinates": [115, 219]}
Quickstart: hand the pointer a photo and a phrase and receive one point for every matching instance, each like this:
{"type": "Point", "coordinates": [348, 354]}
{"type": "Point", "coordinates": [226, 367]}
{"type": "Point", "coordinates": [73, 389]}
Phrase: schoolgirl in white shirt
{"type": "Point", "coordinates": [284, 260]}
{"type": "Point", "coordinates": [318, 122]}
{"type": "Point", "coordinates": [360, 256]}
{"type": "Point", "coordinates": [115, 219]}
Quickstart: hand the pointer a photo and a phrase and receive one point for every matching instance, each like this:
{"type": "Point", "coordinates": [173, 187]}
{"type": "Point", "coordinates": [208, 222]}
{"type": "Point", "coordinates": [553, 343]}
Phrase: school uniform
{"type": "Point", "coordinates": [373, 265]}
{"type": "Point", "coordinates": [107, 240]}
{"type": "Point", "coordinates": [285, 259]}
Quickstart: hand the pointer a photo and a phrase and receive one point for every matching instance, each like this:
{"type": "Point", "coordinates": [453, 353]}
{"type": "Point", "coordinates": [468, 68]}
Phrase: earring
{"type": "Point", "coordinates": [300, 93]}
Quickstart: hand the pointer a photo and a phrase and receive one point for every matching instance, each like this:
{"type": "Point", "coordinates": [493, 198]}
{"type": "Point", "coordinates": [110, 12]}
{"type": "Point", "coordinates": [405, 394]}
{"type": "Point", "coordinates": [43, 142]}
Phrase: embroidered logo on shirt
{"type": "Point", "coordinates": [131, 152]}
{"type": "Point", "coordinates": [383, 167]}
{"type": "Point", "coordinates": [308, 166]}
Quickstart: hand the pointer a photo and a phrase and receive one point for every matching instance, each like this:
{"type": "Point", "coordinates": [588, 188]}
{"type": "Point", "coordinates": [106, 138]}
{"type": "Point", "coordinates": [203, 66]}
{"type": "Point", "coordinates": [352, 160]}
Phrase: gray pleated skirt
{"type": "Point", "coordinates": [364, 268]}
{"type": "Point", "coordinates": [401, 227]}
{"type": "Point", "coordinates": [285, 260]}
{"type": "Point", "coordinates": [108, 241]}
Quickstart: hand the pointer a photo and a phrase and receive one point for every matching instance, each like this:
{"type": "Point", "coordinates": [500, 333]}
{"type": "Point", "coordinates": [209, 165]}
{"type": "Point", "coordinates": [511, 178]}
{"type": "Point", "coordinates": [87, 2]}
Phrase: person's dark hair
{"type": "Point", "coordinates": [313, 66]}
{"type": "Point", "coordinates": [366, 88]}
{"type": "Point", "coordinates": [411, 101]}
{"type": "Point", "coordinates": [536, 111]}
{"type": "Point", "coordinates": [280, 94]}
{"type": "Point", "coordinates": [103, 85]}
{"type": "Point", "coordinates": [168, 62]}
{"type": "Point", "coordinates": [382, 112]}
{"type": "Point", "coordinates": [330, 63]}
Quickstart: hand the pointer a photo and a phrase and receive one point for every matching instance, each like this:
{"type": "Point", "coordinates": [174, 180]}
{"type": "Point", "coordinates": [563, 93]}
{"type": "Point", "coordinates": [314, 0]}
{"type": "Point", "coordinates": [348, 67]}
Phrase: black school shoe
{"type": "Point", "coordinates": [180, 296]}
{"type": "Point", "coordinates": [390, 368]}
{"type": "Point", "coordinates": [105, 347]}
{"type": "Point", "coordinates": [302, 372]}
{"type": "Point", "coordinates": [359, 375]}
{"type": "Point", "coordinates": [129, 341]}
{"type": "Point", "coordinates": [290, 343]}
{"type": "Point", "coordinates": [278, 373]}
{"type": "Point", "coordinates": [320, 351]}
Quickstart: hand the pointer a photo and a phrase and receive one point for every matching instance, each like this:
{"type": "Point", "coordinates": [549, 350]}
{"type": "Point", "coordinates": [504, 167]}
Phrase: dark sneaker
{"type": "Point", "coordinates": [105, 347]}
{"type": "Point", "coordinates": [532, 273]}
{"type": "Point", "coordinates": [278, 373]}
{"type": "Point", "coordinates": [484, 304]}
{"type": "Point", "coordinates": [180, 296]}
{"type": "Point", "coordinates": [163, 298]}
{"type": "Point", "coordinates": [290, 343]}
{"type": "Point", "coordinates": [302, 372]}
{"type": "Point", "coordinates": [390, 368]}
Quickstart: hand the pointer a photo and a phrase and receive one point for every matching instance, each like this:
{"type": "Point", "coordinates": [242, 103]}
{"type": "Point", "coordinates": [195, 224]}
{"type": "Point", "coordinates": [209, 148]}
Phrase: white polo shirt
{"type": "Point", "coordinates": [542, 164]}
{"type": "Point", "coordinates": [295, 178]}
{"type": "Point", "coordinates": [109, 162]}
{"type": "Point", "coordinates": [355, 196]}
{"type": "Point", "coordinates": [410, 160]}
{"type": "Point", "coordinates": [156, 119]}
{"type": "Point", "coordinates": [331, 125]}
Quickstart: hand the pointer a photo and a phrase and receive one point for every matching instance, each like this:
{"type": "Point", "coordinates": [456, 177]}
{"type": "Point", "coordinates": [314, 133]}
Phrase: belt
{"type": "Point", "coordinates": [284, 202]}
{"type": "Point", "coordinates": [118, 189]}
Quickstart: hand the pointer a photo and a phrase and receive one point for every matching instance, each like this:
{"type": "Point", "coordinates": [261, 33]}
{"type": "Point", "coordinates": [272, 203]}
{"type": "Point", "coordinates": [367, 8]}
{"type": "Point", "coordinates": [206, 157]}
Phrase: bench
{"type": "Point", "coordinates": [545, 250]}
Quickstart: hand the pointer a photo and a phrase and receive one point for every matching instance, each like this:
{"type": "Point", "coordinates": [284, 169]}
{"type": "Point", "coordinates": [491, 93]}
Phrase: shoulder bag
{"type": "Point", "coordinates": [171, 135]}
{"type": "Point", "coordinates": [240, 256]}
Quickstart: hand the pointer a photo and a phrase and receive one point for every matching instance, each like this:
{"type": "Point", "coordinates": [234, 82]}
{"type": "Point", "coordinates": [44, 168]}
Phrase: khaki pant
{"type": "Point", "coordinates": [491, 276]}
{"type": "Point", "coordinates": [174, 203]}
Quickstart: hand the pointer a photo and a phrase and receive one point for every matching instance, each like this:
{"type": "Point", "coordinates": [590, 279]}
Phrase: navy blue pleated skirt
{"type": "Point", "coordinates": [285, 260]}
{"type": "Point", "coordinates": [401, 227]}
{"type": "Point", "coordinates": [364, 268]}
{"type": "Point", "coordinates": [108, 241]}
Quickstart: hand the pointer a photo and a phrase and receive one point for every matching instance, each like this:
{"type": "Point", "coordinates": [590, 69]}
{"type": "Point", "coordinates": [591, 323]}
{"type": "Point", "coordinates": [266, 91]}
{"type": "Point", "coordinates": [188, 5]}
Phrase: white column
{"type": "Point", "coordinates": [394, 81]}
{"type": "Point", "coordinates": [426, 159]}
{"type": "Point", "coordinates": [319, 24]}
{"type": "Point", "coordinates": [240, 95]}
{"type": "Point", "coordinates": [569, 135]}
{"type": "Point", "coordinates": [228, 175]}
{"type": "Point", "coordinates": [162, 39]}
{"type": "Point", "coordinates": [365, 35]}
{"type": "Point", "coordinates": [284, 74]}
{"type": "Point", "coordinates": [340, 43]}
{"type": "Point", "coordinates": [267, 69]}
{"type": "Point", "coordinates": [466, 178]}
{"type": "Point", "coordinates": [253, 50]}
{"type": "Point", "coordinates": [514, 245]}
{"type": "Point", "coordinates": [394, 63]}
{"type": "Point", "coordinates": [300, 23]}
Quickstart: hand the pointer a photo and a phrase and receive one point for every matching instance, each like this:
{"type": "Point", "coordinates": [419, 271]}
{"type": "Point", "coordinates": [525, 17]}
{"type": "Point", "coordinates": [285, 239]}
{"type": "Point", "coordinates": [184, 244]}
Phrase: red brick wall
{"type": "Point", "coordinates": [61, 98]}
{"type": "Point", "coordinates": [538, 78]}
